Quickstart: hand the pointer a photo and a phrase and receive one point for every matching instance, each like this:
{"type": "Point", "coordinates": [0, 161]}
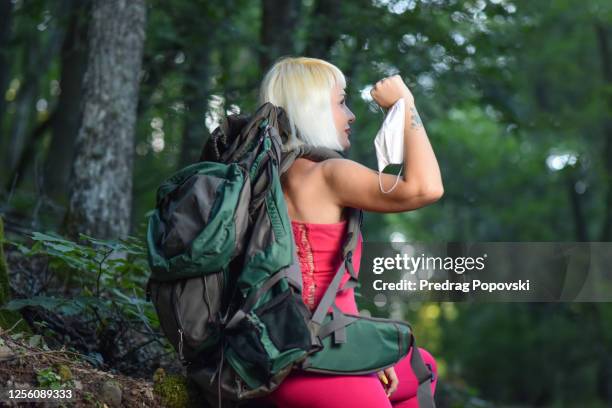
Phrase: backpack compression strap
{"type": "Point", "coordinates": [339, 321]}
{"type": "Point", "coordinates": [424, 377]}
{"type": "Point", "coordinates": [310, 152]}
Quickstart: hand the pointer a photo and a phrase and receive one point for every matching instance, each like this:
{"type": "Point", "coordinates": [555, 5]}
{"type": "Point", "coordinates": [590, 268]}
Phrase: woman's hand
{"type": "Point", "coordinates": [389, 380]}
{"type": "Point", "coordinates": [389, 90]}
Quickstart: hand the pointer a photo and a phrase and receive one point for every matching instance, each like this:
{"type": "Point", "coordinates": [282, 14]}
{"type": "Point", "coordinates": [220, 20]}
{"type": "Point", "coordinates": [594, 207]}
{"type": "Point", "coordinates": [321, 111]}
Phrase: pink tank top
{"type": "Point", "coordinates": [319, 248]}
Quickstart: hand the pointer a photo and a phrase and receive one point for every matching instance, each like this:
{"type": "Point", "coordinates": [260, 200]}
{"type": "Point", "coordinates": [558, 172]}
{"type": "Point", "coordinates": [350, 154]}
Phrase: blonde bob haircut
{"type": "Point", "coordinates": [302, 87]}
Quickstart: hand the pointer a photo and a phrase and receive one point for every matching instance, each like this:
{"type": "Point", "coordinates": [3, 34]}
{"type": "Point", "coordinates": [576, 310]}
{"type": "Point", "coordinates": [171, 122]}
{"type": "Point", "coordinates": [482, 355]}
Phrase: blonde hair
{"type": "Point", "coordinates": [302, 86]}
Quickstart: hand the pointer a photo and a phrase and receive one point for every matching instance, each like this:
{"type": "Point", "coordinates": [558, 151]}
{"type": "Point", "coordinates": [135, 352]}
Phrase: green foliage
{"type": "Point", "coordinates": [120, 279]}
{"type": "Point", "coordinates": [63, 306]}
{"type": "Point", "coordinates": [543, 351]}
{"type": "Point", "coordinates": [49, 377]}
{"type": "Point", "coordinates": [501, 86]}
{"type": "Point", "coordinates": [93, 266]}
{"type": "Point", "coordinates": [110, 278]}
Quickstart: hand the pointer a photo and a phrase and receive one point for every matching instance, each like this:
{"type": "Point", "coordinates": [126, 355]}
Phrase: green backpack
{"type": "Point", "coordinates": [225, 276]}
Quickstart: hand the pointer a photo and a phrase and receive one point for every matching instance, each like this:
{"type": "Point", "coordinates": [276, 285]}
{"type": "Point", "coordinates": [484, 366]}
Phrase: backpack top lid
{"type": "Point", "coordinates": [235, 136]}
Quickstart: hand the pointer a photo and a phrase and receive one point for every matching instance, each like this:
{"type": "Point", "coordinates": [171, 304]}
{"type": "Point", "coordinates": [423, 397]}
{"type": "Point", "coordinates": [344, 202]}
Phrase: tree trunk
{"type": "Point", "coordinates": [580, 225]}
{"type": "Point", "coordinates": [606, 66]}
{"type": "Point", "coordinates": [37, 59]}
{"type": "Point", "coordinates": [196, 97]}
{"type": "Point", "coordinates": [603, 33]}
{"type": "Point", "coordinates": [278, 27]}
{"type": "Point", "coordinates": [6, 8]}
{"type": "Point", "coordinates": [101, 177]}
{"type": "Point", "coordinates": [24, 116]}
{"type": "Point", "coordinates": [64, 119]}
{"type": "Point", "coordinates": [27, 156]}
{"type": "Point", "coordinates": [68, 111]}
{"type": "Point", "coordinates": [323, 28]}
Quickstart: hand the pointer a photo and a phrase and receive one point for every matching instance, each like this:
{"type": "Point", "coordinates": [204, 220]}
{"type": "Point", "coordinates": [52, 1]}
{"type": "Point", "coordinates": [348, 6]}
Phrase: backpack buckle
{"type": "Point", "coordinates": [433, 375]}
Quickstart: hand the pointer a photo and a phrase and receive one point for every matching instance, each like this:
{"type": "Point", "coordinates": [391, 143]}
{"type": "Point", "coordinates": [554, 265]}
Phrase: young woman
{"type": "Point", "coordinates": [312, 92]}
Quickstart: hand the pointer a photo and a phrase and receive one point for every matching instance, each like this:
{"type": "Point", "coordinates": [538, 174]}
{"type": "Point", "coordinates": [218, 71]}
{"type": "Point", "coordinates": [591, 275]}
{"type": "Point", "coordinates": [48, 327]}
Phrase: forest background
{"type": "Point", "coordinates": [101, 101]}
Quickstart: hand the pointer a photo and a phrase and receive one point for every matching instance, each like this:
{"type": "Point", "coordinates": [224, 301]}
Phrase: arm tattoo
{"type": "Point", "coordinates": [416, 119]}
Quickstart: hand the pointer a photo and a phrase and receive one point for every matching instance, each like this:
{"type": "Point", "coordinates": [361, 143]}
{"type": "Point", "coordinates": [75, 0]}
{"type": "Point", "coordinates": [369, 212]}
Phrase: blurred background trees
{"type": "Point", "coordinates": [516, 97]}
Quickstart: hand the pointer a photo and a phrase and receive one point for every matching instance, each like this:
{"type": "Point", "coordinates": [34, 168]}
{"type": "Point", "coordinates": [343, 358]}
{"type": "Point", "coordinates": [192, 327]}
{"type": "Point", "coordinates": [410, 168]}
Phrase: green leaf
{"type": "Point", "coordinates": [51, 237]}
{"type": "Point", "coordinates": [35, 340]}
{"type": "Point", "coordinates": [60, 247]}
{"type": "Point", "coordinates": [22, 248]}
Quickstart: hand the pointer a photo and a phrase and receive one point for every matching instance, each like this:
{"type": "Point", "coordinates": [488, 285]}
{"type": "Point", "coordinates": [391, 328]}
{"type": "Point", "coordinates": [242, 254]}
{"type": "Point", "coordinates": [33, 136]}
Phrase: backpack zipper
{"type": "Point", "coordinates": [380, 319]}
{"type": "Point", "coordinates": [362, 372]}
{"type": "Point", "coordinates": [180, 345]}
{"type": "Point", "coordinates": [184, 336]}
{"type": "Point", "coordinates": [179, 322]}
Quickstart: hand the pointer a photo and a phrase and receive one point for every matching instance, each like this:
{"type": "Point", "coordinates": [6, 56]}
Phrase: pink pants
{"type": "Point", "coordinates": [309, 390]}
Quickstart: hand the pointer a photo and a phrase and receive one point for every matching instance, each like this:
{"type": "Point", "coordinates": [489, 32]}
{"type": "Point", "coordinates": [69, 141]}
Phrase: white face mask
{"type": "Point", "coordinates": [389, 141]}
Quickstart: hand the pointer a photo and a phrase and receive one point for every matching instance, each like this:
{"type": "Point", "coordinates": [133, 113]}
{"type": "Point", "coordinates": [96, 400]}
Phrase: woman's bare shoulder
{"type": "Point", "coordinates": [307, 197]}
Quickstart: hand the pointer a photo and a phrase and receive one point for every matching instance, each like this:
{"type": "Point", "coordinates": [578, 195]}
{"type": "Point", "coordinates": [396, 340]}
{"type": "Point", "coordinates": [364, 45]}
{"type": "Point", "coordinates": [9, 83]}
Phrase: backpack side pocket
{"type": "Point", "coordinates": [188, 311]}
{"type": "Point", "coordinates": [372, 345]}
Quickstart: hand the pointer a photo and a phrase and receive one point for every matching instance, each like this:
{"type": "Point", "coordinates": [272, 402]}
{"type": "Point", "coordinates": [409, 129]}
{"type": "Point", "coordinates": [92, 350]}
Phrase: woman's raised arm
{"type": "Point", "coordinates": [354, 185]}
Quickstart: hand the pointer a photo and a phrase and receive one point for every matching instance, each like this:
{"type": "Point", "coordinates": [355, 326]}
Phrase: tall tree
{"type": "Point", "coordinates": [605, 53]}
{"type": "Point", "coordinates": [196, 98]}
{"type": "Point", "coordinates": [278, 23]}
{"type": "Point", "coordinates": [6, 7]}
{"type": "Point", "coordinates": [201, 22]}
{"type": "Point", "coordinates": [64, 118]}
{"type": "Point", "coordinates": [323, 28]}
{"type": "Point", "coordinates": [25, 132]}
{"type": "Point", "coordinates": [37, 58]}
{"type": "Point", "coordinates": [67, 114]}
{"type": "Point", "coordinates": [101, 177]}
{"type": "Point", "coordinates": [604, 34]}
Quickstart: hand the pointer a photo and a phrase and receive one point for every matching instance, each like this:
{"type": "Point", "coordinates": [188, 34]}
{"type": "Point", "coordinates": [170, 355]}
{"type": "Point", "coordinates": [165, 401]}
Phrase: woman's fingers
{"type": "Point", "coordinates": [393, 380]}
{"type": "Point", "coordinates": [388, 90]}
{"type": "Point", "coordinates": [389, 380]}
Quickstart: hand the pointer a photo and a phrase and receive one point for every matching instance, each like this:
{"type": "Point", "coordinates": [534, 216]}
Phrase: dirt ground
{"type": "Point", "coordinates": [20, 365]}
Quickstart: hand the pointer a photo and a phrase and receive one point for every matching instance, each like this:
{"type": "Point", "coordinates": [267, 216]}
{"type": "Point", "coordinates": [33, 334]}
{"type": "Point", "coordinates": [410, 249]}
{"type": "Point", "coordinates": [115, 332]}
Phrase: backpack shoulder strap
{"type": "Point", "coordinates": [349, 245]}
{"type": "Point", "coordinates": [311, 152]}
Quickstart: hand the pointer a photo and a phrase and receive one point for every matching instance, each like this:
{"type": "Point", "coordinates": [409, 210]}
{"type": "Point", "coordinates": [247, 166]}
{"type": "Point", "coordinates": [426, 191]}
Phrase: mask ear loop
{"type": "Point", "coordinates": [394, 185]}
{"type": "Point", "coordinates": [382, 190]}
